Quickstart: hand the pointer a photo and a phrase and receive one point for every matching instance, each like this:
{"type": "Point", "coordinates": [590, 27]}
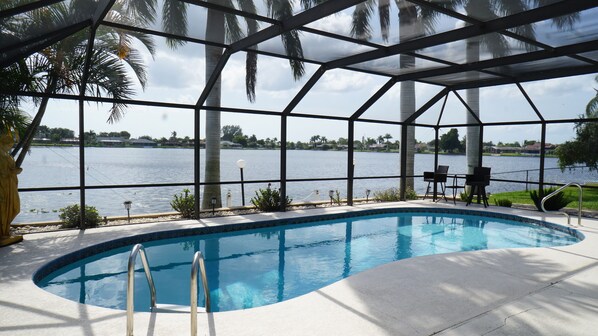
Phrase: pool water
{"type": "Point", "coordinates": [258, 267]}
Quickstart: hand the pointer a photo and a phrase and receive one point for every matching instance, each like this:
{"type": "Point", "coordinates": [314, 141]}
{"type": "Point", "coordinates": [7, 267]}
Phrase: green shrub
{"type": "Point", "coordinates": [503, 202]}
{"type": "Point", "coordinates": [268, 199]}
{"type": "Point", "coordinates": [71, 216]}
{"type": "Point", "coordinates": [388, 195]}
{"type": "Point", "coordinates": [184, 204]}
{"type": "Point", "coordinates": [410, 194]}
{"type": "Point", "coordinates": [394, 195]}
{"type": "Point", "coordinates": [554, 203]}
{"type": "Point", "coordinates": [336, 198]}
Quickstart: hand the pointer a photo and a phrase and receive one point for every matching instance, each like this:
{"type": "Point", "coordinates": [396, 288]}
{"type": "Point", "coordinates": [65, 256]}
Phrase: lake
{"type": "Point", "coordinates": [59, 167]}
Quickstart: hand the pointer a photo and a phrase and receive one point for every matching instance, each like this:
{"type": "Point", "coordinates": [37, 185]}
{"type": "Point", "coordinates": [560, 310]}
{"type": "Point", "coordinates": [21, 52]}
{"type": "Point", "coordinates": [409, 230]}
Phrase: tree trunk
{"type": "Point", "coordinates": [215, 33]}
{"type": "Point", "coordinates": [25, 143]}
{"type": "Point", "coordinates": [408, 28]}
{"type": "Point", "coordinates": [472, 98]}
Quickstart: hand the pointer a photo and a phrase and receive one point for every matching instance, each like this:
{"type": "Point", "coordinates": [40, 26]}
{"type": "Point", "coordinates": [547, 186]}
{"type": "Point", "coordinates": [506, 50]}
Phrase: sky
{"type": "Point", "coordinates": [178, 76]}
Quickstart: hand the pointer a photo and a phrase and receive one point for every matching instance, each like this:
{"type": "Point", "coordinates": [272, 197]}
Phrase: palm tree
{"type": "Point", "coordinates": [221, 27]}
{"type": "Point", "coordinates": [414, 21]}
{"type": "Point", "coordinates": [60, 67]}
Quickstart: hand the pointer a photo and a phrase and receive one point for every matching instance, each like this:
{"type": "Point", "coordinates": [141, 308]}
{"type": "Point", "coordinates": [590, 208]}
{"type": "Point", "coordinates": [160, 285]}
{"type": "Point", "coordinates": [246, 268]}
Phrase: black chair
{"type": "Point", "coordinates": [478, 182]}
{"type": "Point", "coordinates": [439, 176]}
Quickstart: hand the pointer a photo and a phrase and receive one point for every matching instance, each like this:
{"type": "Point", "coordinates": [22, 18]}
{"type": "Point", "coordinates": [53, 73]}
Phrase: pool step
{"type": "Point", "coordinates": [172, 308]}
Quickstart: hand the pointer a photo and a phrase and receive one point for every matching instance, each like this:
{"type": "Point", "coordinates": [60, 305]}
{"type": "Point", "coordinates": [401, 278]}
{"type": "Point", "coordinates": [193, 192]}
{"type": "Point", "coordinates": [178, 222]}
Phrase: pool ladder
{"type": "Point", "coordinates": [198, 264]}
{"type": "Point", "coordinates": [137, 249]}
{"type": "Point", "coordinates": [564, 213]}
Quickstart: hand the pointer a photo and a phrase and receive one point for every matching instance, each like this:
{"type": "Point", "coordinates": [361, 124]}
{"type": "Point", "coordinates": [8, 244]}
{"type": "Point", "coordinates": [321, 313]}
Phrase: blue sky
{"type": "Point", "coordinates": [178, 76]}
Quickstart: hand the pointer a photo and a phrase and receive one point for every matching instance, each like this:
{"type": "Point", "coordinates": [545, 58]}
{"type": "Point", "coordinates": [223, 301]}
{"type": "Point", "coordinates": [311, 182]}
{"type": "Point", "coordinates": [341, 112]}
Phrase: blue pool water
{"type": "Point", "coordinates": [252, 268]}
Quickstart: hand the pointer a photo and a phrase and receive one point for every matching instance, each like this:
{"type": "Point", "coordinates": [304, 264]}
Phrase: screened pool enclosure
{"type": "Point", "coordinates": [418, 67]}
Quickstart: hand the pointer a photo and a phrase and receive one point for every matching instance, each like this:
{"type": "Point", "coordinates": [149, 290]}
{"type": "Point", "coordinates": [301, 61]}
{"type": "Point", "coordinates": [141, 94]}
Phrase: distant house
{"type": "Point", "coordinates": [111, 141]}
{"type": "Point", "coordinates": [144, 143]}
{"type": "Point", "coordinates": [41, 141]}
{"type": "Point", "coordinates": [69, 141]}
{"type": "Point", "coordinates": [535, 148]}
{"type": "Point", "coordinates": [229, 144]}
{"type": "Point", "coordinates": [503, 149]}
{"type": "Point", "coordinates": [377, 147]}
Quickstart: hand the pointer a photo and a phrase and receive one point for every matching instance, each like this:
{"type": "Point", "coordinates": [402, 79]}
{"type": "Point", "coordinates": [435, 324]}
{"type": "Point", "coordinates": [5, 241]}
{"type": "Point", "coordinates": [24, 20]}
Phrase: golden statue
{"type": "Point", "coordinates": [10, 204]}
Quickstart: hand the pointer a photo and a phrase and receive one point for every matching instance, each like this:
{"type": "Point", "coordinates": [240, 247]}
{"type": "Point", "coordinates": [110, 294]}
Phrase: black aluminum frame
{"type": "Point", "coordinates": [298, 22]}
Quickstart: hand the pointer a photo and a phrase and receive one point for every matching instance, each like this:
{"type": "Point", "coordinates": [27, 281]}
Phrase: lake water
{"type": "Point", "coordinates": [59, 167]}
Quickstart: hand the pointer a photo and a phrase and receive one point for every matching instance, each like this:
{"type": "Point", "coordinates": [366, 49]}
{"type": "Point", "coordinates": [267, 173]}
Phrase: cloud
{"type": "Point", "coordinates": [343, 81]}
{"type": "Point", "coordinates": [169, 70]}
{"type": "Point", "coordinates": [336, 23]}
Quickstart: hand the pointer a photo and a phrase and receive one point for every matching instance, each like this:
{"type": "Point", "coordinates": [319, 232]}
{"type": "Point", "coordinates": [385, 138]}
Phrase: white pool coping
{"type": "Point", "coordinates": [534, 291]}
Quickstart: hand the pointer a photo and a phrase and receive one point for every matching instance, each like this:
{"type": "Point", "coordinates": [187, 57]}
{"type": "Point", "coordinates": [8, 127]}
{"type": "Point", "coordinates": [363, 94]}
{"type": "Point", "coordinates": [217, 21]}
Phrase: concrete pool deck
{"type": "Point", "coordinates": [531, 291]}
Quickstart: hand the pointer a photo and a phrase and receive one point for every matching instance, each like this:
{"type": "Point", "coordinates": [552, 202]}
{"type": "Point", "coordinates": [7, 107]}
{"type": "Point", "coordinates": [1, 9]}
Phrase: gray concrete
{"type": "Point", "coordinates": [541, 291]}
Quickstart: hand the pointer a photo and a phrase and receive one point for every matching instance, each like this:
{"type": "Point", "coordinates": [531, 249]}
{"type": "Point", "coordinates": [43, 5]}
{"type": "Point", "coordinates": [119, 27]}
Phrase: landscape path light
{"type": "Point", "coordinates": [127, 205]}
{"type": "Point", "coordinates": [331, 195]}
{"type": "Point", "coordinates": [213, 205]}
{"type": "Point", "coordinates": [367, 195]}
{"type": "Point", "coordinates": [241, 165]}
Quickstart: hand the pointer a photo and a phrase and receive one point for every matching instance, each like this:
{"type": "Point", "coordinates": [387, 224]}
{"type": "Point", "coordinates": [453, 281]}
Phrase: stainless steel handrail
{"type": "Point", "coordinates": [137, 249]}
{"type": "Point", "coordinates": [198, 264]}
{"type": "Point", "coordinates": [564, 213]}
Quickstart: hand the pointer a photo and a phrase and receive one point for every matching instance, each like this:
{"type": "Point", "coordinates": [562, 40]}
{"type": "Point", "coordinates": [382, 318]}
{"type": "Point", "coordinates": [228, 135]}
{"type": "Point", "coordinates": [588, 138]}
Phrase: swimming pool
{"type": "Point", "coordinates": [273, 263]}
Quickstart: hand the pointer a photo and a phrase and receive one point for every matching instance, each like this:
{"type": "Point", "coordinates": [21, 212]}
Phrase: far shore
{"type": "Point", "coordinates": [278, 148]}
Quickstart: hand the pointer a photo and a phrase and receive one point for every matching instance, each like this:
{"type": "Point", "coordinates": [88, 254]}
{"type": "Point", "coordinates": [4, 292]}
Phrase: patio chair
{"type": "Point", "coordinates": [478, 182]}
{"type": "Point", "coordinates": [439, 176]}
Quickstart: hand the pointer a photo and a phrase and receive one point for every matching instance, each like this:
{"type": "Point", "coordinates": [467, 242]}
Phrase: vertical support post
{"type": "Point", "coordinates": [350, 162]}
{"type": "Point", "coordinates": [436, 148]}
{"type": "Point", "coordinates": [283, 162]}
{"type": "Point", "coordinates": [82, 162]}
{"type": "Point", "coordinates": [542, 159]}
{"type": "Point", "coordinates": [196, 161]}
{"type": "Point", "coordinates": [481, 145]}
{"type": "Point", "coordinates": [242, 188]}
{"type": "Point", "coordinates": [403, 184]}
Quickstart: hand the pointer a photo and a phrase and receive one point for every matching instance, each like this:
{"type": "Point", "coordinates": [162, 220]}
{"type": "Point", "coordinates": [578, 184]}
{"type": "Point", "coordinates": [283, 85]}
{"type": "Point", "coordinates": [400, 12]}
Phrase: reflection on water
{"type": "Point", "coordinates": [59, 166]}
{"type": "Point", "coordinates": [265, 266]}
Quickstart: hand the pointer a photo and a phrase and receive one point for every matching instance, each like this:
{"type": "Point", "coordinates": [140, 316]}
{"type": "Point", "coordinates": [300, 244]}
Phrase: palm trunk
{"type": "Point", "coordinates": [25, 143]}
{"type": "Point", "coordinates": [215, 23]}
{"type": "Point", "coordinates": [472, 98]}
{"type": "Point", "coordinates": [408, 28]}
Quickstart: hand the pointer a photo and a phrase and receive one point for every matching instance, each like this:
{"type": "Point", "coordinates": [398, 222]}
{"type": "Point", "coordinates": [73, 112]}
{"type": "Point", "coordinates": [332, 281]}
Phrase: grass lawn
{"type": "Point", "coordinates": [590, 197]}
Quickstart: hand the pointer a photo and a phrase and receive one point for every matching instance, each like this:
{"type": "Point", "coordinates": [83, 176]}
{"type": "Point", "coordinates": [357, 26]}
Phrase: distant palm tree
{"type": "Point", "coordinates": [59, 67]}
{"type": "Point", "coordinates": [221, 27]}
{"type": "Point", "coordinates": [414, 21]}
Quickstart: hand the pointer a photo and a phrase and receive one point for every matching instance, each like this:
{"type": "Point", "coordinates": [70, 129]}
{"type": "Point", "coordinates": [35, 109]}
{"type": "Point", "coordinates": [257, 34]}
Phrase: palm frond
{"type": "Point", "coordinates": [108, 75]}
{"type": "Point", "coordinates": [174, 21]}
{"type": "Point", "coordinates": [592, 107]}
{"type": "Point", "coordinates": [384, 14]}
{"type": "Point", "coordinates": [251, 58]}
{"type": "Point", "coordinates": [294, 50]}
{"type": "Point", "coordinates": [280, 10]}
{"type": "Point", "coordinates": [135, 61]}
{"type": "Point", "coordinates": [141, 11]}
{"type": "Point", "coordinates": [251, 75]}
{"type": "Point", "coordinates": [360, 23]}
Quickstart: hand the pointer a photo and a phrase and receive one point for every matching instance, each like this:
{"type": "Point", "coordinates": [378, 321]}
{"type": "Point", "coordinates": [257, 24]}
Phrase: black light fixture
{"type": "Point", "coordinates": [127, 205]}
{"type": "Point", "coordinates": [213, 205]}
{"type": "Point", "coordinates": [331, 195]}
{"type": "Point", "coordinates": [241, 165]}
{"type": "Point", "coordinates": [367, 195]}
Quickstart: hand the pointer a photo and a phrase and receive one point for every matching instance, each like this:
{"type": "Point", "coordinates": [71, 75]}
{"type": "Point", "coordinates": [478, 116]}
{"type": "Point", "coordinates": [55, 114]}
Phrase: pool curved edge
{"type": "Point", "coordinates": [83, 253]}
{"type": "Point", "coordinates": [393, 299]}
